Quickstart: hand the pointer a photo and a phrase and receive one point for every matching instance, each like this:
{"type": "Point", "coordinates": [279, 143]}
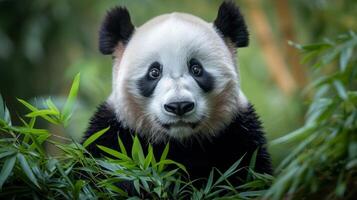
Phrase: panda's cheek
{"type": "Point", "coordinates": [201, 110]}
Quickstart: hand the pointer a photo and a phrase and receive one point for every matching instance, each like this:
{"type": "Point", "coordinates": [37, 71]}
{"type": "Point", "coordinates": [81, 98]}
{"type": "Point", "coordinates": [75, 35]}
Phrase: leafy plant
{"type": "Point", "coordinates": [324, 163]}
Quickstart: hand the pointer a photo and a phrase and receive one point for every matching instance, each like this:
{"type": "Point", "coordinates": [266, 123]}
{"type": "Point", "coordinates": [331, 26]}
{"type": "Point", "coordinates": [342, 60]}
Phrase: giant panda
{"type": "Point", "coordinates": [176, 80]}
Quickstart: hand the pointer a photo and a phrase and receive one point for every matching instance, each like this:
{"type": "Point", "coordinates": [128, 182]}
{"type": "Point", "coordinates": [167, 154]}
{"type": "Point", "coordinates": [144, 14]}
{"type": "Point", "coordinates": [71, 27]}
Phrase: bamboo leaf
{"type": "Point", "coordinates": [229, 171]}
{"type": "Point", "coordinates": [209, 182]}
{"type": "Point", "coordinates": [293, 135]}
{"type": "Point", "coordinates": [29, 106]}
{"type": "Point", "coordinates": [163, 157]}
{"type": "Point", "coordinates": [41, 113]}
{"type": "Point", "coordinates": [7, 169]}
{"type": "Point", "coordinates": [114, 153]}
{"type": "Point", "coordinates": [121, 146]}
{"type": "Point", "coordinates": [27, 169]}
{"type": "Point", "coordinates": [340, 89]}
{"type": "Point", "coordinates": [171, 162]}
{"type": "Point", "coordinates": [94, 137]}
{"type": "Point", "coordinates": [345, 56]}
{"type": "Point", "coordinates": [2, 108]}
{"type": "Point", "coordinates": [149, 157]}
{"type": "Point", "coordinates": [26, 130]}
{"type": "Point", "coordinates": [33, 109]}
{"type": "Point", "coordinates": [52, 106]}
{"type": "Point", "coordinates": [68, 106]}
{"type": "Point", "coordinates": [137, 152]}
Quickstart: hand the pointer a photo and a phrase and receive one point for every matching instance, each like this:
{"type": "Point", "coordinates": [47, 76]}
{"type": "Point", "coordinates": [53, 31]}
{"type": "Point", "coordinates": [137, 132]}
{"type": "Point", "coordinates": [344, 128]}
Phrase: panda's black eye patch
{"type": "Point", "coordinates": [203, 78]}
{"type": "Point", "coordinates": [148, 82]}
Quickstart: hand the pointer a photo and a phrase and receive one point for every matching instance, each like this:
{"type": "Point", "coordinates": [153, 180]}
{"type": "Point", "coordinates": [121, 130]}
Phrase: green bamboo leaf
{"type": "Point", "coordinates": [253, 159]}
{"type": "Point", "coordinates": [345, 56]}
{"type": "Point", "coordinates": [32, 122]}
{"type": "Point", "coordinates": [209, 183]}
{"type": "Point", "coordinates": [171, 162]}
{"type": "Point", "coordinates": [163, 156]}
{"type": "Point", "coordinates": [63, 174]}
{"type": "Point", "coordinates": [230, 171]}
{"type": "Point", "coordinates": [116, 189]}
{"type": "Point", "coordinates": [170, 173]}
{"type": "Point", "coordinates": [317, 46]}
{"type": "Point", "coordinates": [2, 108]}
{"type": "Point", "coordinates": [114, 153]}
{"type": "Point", "coordinates": [33, 109]}
{"type": "Point", "coordinates": [4, 112]}
{"type": "Point", "coordinates": [77, 188]}
{"type": "Point", "coordinates": [149, 157]}
{"type": "Point", "coordinates": [27, 169]}
{"type": "Point", "coordinates": [340, 89]}
{"type": "Point", "coordinates": [137, 152]}
{"type": "Point", "coordinates": [52, 106]}
{"type": "Point", "coordinates": [252, 162]}
{"type": "Point", "coordinates": [36, 143]}
{"type": "Point", "coordinates": [7, 116]}
{"type": "Point", "coordinates": [26, 130]}
{"type": "Point", "coordinates": [28, 105]}
{"type": "Point", "coordinates": [68, 106]}
{"type": "Point", "coordinates": [7, 169]}
{"type": "Point", "coordinates": [121, 146]}
{"type": "Point", "coordinates": [95, 136]}
{"type": "Point", "coordinates": [7, 153]}
{"type": "Point", "coordinates": [137, 186]}
{"type": "Point", "coordinates": [145, 184]}
{"type": "Point", "coordinates": [41, 113]}
{"type": "Point", "coordinates": [301, 132]}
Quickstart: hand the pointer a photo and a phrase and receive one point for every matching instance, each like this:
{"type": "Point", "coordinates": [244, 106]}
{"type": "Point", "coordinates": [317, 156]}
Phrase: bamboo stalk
{"type": "Point", "coordinates": [271, 52]}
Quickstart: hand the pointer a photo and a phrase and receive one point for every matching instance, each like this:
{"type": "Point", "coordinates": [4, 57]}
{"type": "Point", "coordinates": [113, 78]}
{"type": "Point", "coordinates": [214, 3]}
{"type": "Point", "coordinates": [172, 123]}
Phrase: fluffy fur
{"type": "Point", "coordinates": [225, 124]}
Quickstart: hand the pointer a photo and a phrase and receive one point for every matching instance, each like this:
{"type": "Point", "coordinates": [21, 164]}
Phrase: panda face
{"type": "Point", "coordinates": [175, 78]}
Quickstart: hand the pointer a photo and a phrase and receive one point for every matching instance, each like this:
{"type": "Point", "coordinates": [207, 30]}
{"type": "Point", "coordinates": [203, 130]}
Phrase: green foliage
{"type": "Point", "coordinates": [28, 171]}
{"type": "Point", "coordinates": [324, 162]}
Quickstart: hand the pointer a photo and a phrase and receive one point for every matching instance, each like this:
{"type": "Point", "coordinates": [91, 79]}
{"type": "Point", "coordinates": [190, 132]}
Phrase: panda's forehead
{"type": "Point", "coordinates": [173, 36]}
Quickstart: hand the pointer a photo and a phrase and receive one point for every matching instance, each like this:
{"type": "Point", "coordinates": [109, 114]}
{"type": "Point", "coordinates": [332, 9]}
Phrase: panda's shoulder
{"type": "Point", "coordinates": [103, 118]}
{"type": "Point", "coordinates": [245, 129]}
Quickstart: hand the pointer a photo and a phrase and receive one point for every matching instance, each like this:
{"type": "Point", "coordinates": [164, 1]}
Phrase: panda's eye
{"type": "Point", "coordinates": [196, 70]}
{"type": "Point", "coordinates": [195, 67]}
{"type": "Point", "coordinates": [154, 71]}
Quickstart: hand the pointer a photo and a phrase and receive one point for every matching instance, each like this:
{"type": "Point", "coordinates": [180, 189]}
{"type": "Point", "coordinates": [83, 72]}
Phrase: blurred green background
{"type": "Point", "coordinates": [44, 43]}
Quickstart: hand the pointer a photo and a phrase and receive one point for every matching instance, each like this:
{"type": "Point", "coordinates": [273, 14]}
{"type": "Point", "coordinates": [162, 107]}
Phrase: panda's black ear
{"type": "Point", "coordinates": [116, 27]}
{"type": "Point", "coordinates": [230, 23]}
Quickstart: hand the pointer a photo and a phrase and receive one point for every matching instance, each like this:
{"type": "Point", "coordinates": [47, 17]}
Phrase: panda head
{"type": "Point", "coordinates": [175, 77]}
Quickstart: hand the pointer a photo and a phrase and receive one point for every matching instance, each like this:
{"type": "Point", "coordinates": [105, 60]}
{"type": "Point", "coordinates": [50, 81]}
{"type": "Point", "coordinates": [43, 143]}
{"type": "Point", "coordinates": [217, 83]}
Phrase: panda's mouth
{"type": "Point", "coordinates": [179, 124]}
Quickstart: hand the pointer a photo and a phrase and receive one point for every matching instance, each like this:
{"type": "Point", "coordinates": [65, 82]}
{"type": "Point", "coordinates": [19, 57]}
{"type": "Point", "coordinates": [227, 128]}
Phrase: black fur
{"type": "Point", "coordinates": [230, 23]}
{"type": "Point", "coordinates": [243, 136]}
{"type": "Point", "coordinates": [205, 80]}
{"type": "Point", "coordinates": [146, 84]}
{"type": "Point", "coordinates": [116, 27]}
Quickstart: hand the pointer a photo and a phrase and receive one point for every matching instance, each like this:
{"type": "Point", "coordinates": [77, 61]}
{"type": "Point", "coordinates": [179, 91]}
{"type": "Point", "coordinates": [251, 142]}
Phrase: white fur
{"type": "Point", "coordinates": [173, 39]}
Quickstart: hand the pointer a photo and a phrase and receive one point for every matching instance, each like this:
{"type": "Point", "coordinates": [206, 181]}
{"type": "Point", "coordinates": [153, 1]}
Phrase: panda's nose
{"type": "Point", "coordinates": [179, 108]}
